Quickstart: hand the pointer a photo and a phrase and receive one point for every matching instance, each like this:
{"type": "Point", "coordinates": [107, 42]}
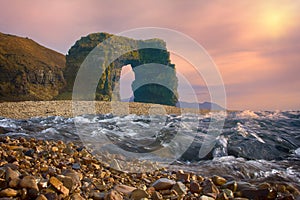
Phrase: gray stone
{"type": "Point", "coordinates": [180, 188]}
{"type": "Point", "coordinates": [163, 184]}
{"type": "Point", "coordinates": [76, 166]}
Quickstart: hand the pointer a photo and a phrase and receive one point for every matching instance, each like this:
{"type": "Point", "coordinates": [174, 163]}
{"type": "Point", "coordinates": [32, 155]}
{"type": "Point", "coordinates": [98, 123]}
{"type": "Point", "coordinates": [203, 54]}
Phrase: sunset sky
{"type": "Point", "coordinates": [255, 44]}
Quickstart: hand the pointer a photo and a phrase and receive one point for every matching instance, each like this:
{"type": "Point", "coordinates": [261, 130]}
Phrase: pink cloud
{"type": "Point", "coordinates": [252, 64]}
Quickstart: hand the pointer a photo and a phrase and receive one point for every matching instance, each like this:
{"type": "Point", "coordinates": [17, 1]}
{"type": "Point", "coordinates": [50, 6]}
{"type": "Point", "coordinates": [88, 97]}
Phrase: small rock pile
{"type": "Point", "coordinates": [41, 170]}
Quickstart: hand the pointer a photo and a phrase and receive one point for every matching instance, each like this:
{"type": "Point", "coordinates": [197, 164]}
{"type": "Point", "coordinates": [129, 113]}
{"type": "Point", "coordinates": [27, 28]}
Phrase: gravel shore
{"type": "Point", "coordinates": [53, 170]}
{"type": "Point", "coordinates": [27, 109]}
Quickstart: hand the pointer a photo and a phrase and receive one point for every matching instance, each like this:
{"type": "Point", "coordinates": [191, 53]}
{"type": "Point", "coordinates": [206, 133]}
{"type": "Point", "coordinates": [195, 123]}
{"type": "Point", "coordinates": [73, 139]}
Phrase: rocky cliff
{"type": "Point", "coordinates": [150, 92]}
{"type": "Point", "coordinates": [29, 71]}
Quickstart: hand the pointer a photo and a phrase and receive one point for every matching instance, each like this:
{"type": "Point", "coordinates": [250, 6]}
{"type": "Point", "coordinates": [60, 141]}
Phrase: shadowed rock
{"type": "Point", "coordinates": [155, 76]}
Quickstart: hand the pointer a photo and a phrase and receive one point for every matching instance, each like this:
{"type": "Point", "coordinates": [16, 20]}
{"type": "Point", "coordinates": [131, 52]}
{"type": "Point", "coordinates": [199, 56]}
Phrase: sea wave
{"type": "Point", "coordinates": [250, 145]}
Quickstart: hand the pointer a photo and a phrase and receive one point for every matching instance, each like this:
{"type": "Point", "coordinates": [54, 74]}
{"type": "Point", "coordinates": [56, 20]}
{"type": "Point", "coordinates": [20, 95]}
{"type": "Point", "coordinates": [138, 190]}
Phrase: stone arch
{"type": "Point", "coordinates": [152, 92]}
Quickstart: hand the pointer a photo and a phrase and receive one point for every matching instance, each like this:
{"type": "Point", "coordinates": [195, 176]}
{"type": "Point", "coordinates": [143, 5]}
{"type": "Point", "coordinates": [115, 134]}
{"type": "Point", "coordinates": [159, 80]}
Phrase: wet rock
{"type": "Point", "coordinates": [228, 193]}
{"type": "Point", "coordinates": [11, 159]}
{"type": "Point", "coordinates": [87, 160]}
{"type": "Point", "coordinates": [32, 193]}
{"type": "Point", "coordinates": [43, 183]}
{"type": "Point", "coordinates": [29, 182]}
{"type": "Point", "coordinates": [182, 176]}
{"type": "Point", "coordinates": [156, 196]}
{"type": "Point", "coordinates": [113, 195]}
{"type": "Point", "coordinates": [115, 165]}
{"type": "Point", "coordinates": [195, 187]}
{"type": "Point", "coordinates": [57, 184]}
{"type": "Point", "coordinates": [11, 174]}
{"type": "Point", "coordinates": [24, 193]}
{"type": "Point", "coordinates": [3, 183]}
{"type": "Point", "coordinates": [41, 197]}
{"type": "Point", "coordinates": [2, 171]}
{"type": "Point", "coordinates": [203, 197]}
{"type": "Point", "coordinates": [14, 183]}
{"type": "Point", "coordinates": [209, 188]}
{"type": "Point", "coordinates": [125, 189]}
{"type": "Point", "coordinates": [241, 185]}
{"type": "Point", "coordinates": [29, 152]}
{"type": "Point", "coordinates": [9, 192]}
{"type": "Point", "coordinates": [76, 196]}
{"type": "Point", "coordinates": [139, 194]}
{"type": "Point", "coordinates": [76, 166]}
{"type": "Point", "coordinates": [231, 185]}
{"type": "Point", "coordinates": [293, 190]}
{"type": "Point", "coordinates": [100, 185]}
{"type": "Point", "coordinates": [67, 182]}
{"type": "Point", "coordinates": [68, 150]}
{"type": "Point", "coordinates": [97, 195]}
{"type": "Point", "coordinates": [180, 188]}
{"type": "Point", "coordinates": [51, 196]}
{"type": "Point", "coordinates": [264, 185]}
{"type": "Point", "coordinates": [163, 184]}
{"type": "Point", "coordinates": [141, 175]}
{"type": "Point", "coordinates": [255, 193]}
{"type": "Point", "coordinates": [75, 176]}
{"type": "Point", "coordinates": [13, 166]}
{"type": "Point", "coordinates": [3, 130]}
{"type": "Point", "coordinates": [54, 149]}
{"type": "Point", "coordinates": [150, 190]}
{"type": "Point", "coordinates": [222, 196]}
{"type": "Point", "coordinates": [218, 180]}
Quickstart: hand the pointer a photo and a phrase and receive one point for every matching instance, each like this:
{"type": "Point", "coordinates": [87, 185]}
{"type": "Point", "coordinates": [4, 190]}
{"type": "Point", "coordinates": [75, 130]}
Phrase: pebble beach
{"type": "Point", "coordinates": [27, 109]}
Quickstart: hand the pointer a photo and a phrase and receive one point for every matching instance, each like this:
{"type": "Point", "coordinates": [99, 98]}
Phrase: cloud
{"type": "Point", "coordinates": [255, 65]}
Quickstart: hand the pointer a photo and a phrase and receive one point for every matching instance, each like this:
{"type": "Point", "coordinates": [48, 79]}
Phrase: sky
{"type": "Point", "coordinates": [254, 44]}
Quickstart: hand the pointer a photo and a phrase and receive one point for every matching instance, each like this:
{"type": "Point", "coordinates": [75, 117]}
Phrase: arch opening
{"type": "Point", "coordinates": [126, 80]}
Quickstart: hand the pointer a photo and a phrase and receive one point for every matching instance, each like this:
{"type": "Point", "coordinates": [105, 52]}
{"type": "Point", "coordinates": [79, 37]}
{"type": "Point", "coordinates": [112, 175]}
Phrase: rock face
{"type": "Point", "coordinates": [146, 86]}
{"type": "Point", "coordinates": [29, 71]}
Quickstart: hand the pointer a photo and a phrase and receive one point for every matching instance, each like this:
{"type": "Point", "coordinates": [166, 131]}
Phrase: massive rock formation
{"type": "Point", "coordinates": [151, 84]}
{"type": "Point", "coordinates": [29, 71]}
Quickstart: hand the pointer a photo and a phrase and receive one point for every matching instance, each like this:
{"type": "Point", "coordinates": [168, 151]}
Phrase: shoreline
{"type": "Point", "coordinates": [64, 108]}
{"type": "Point", "coordinates": [52, 169]}
{"type": "Point", "coordinates": [41, 169]}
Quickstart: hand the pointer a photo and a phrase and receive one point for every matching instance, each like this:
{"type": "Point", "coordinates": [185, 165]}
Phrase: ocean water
{"type": "Point", "coordinates": [251, 146]}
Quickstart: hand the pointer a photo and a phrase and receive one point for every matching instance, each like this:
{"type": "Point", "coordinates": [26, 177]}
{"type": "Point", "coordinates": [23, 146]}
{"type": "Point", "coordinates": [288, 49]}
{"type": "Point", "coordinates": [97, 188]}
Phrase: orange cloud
{"type": "Point", "coordinates": [255, 44]}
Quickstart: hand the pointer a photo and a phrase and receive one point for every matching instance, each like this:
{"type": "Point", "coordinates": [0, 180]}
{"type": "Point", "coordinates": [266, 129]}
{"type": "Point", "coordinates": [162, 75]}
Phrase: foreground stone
{"type": "Point", "coordinates": [44, 170]}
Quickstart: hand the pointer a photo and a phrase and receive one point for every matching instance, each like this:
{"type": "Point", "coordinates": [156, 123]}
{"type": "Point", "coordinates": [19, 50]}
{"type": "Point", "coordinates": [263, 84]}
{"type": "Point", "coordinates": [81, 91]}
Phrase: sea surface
{"type": "Point", "coordinates": [251, 146]}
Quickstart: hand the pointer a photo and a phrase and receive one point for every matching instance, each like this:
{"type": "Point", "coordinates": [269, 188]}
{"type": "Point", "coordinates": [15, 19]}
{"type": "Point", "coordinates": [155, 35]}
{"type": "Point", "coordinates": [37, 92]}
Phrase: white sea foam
{"type": "Point", "coordinates": [297, 152]}
{"type": "Point", "coordinates": [247, 114]}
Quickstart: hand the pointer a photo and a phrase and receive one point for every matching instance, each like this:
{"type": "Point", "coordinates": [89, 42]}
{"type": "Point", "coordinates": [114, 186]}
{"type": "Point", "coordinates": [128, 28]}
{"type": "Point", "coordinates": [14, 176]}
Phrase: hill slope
{"type": "Point", "coordinates": [29, 71]}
